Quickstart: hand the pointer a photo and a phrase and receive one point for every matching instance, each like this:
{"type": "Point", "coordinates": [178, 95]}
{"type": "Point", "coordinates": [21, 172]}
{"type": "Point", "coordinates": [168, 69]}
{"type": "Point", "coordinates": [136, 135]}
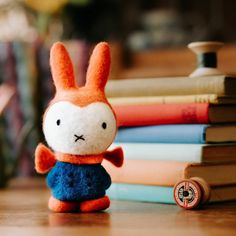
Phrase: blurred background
{"type": "Point", "coordinates": [146, 38]}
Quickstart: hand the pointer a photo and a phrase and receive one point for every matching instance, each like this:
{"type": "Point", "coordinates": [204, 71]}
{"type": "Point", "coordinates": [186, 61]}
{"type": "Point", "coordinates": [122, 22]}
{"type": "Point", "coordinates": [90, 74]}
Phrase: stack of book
{"type": "Point", "coordinates": [173, 129]}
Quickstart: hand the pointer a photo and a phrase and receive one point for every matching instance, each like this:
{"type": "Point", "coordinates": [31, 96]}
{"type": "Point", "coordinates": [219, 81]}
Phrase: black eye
{"type": "Point", "coordinates": [104, 125]}
{"type": "Point", "coordinates": [58, 122]}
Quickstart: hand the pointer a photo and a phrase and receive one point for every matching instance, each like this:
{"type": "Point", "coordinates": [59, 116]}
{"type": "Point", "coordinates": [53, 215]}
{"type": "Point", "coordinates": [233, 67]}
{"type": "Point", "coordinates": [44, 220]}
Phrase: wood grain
{"type": "Point", "coordinates": [23, 211]}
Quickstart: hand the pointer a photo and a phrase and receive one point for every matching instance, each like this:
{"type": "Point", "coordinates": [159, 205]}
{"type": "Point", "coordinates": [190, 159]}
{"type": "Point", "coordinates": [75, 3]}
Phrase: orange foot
{"type": "Point", "coordinates": [61, 206]}
{"type": "Point", "coordinates": [95, 205]}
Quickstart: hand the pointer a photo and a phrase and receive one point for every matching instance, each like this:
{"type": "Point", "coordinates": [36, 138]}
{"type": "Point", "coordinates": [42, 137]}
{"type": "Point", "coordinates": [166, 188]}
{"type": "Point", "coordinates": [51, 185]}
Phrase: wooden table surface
{"type": "Point", "coordinates": [23, 211]}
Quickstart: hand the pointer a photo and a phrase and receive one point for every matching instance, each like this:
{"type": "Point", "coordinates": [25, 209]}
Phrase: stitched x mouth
{"type": "Point", "coordinates": [78, 137]}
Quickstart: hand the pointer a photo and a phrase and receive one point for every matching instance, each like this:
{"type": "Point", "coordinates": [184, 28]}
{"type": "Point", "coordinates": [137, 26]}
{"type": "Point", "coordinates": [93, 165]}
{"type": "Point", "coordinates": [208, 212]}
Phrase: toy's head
{"type": "Point", "coordinates": [79, 120]}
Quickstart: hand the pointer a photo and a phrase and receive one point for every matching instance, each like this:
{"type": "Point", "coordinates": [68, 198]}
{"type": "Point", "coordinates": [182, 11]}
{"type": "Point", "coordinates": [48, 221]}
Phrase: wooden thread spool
{"type": "Point", "coordinates": [206, 58]}
{"type": "Point", "coordinates": [191, 193]}
{"type": "Point", "coordinates": [205, 188]}
{"type": "Point", "coordinates": [187, 194]}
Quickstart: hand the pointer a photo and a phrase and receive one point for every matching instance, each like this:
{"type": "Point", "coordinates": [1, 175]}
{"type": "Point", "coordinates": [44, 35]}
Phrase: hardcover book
{"type": "Point", "coordinates": [197, 98]}
{"type": "Point", "coordinates": [161, 194]}
{"type": "Point", "coordinates": [168, 173]}
{"type": "Point", "coordinates": [196, 153]}
{"type": "Point", "coordinates": [154, 114]}
{"type": "Point", "coordinates": [198, 134]}
{"type": "Point", "coordinates": [220, 85]}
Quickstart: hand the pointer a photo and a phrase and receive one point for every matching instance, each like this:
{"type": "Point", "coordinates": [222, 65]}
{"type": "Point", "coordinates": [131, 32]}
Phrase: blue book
{"type": "Point", "coordinates": [162, 194]}
{"type": "Point", "coordinates": [142, 193]}
{"type": "Point", "coordinates": [163, 134]}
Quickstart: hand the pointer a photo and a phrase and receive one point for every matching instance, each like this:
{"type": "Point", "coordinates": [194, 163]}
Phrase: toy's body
{"type": "Point", "coordinates": [79, 125]}
{"type": "Point", "coordinates": [71, 182]}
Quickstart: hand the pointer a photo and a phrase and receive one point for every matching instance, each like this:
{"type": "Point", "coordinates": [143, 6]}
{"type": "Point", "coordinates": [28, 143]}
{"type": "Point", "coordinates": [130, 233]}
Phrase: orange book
{"type": "Point", "coordinates": [192, 113]}
{"type": "Point", "coordinates": [168, 173]}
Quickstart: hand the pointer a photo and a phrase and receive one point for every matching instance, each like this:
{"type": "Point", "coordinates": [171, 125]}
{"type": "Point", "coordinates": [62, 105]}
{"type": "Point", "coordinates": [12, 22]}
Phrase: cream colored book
{"type": "Point", "coordinates": [201, 98]}
{"type": "Point", "coordinates": [220, 85]}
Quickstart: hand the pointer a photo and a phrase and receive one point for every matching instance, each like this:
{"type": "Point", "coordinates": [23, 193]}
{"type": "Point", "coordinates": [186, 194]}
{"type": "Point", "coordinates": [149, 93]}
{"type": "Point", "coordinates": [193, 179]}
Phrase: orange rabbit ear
{"type": "Point", "coordinates": [99, 67]}
{"type": "Point", "coordinates": [61, 67]}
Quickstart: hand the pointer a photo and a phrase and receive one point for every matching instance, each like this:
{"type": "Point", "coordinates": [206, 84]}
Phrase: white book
{"type": "Point", "coordinates": [196, 153]}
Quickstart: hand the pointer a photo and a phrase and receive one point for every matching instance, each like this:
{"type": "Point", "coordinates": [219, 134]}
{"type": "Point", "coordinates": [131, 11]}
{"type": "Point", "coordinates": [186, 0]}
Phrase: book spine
{"type": "Point", "coordinates": [13, 115]}
{"type": "Point", "coordinates": [6, 94]}
{"type": "Point", "coordinates": [140, 115]}
{"type": "Point", "coordinates": [25, 70]}
{"type": "Point", "coordinates": [167, 86]}
{"type": "Point", "coordinates": [24, 83]}
{"type": "Point", "coordinates": [201, 98]}
{"type": "Point", "coordinates": [163, 134]}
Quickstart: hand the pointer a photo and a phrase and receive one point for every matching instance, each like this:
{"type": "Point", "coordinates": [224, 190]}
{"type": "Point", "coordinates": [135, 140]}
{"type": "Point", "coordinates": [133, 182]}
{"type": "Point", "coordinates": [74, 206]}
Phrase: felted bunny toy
{"type": "Point", "coordinates": [79, 125]}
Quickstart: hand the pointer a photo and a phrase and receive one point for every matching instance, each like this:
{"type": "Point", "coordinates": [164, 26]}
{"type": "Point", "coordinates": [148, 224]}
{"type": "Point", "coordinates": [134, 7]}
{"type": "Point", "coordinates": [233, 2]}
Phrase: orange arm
{"type": "Point", "coordinates": [116, 156]}
{"type": "Point", "coordinates": [44, 159]}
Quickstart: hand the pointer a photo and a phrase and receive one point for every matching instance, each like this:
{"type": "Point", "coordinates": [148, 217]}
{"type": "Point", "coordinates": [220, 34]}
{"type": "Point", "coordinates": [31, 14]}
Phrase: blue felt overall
{"type": "Point", "coordinates": [71, 182]}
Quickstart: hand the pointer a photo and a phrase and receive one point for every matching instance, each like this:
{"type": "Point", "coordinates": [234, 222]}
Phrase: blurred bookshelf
{"type": "Point", "coordinates": [174, 62]}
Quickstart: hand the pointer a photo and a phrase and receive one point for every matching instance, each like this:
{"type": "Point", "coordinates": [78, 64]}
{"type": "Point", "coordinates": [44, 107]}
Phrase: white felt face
{"type": "Point", "coordinates": [79, 130]}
